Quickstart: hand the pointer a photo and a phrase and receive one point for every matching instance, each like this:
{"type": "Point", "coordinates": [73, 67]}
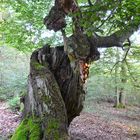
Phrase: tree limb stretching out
{"type": "Point", "coordinates": [57, 22]}
{"type": "Point", "coordinates": [116, 39]}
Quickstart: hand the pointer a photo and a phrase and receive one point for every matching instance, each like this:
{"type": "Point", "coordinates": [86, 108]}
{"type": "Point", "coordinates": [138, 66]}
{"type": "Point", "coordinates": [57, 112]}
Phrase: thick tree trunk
{"type": "Point", "coordinates": [55, 89]}
{"type": "Point", "coordinates": [55, 96]}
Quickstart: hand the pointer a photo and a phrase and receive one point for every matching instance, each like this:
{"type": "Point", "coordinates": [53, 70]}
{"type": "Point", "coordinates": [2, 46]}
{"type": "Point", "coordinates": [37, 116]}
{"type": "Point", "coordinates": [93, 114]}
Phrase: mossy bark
{"type": "Point", "coordinates": [55, 96]}
{"type": "Point", "coordinates": [29, 128]}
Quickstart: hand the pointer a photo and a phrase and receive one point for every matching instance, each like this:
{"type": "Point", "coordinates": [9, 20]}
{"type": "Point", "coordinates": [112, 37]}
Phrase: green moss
{"type": "Point", "coordinates": [35, 129]}
{"type": "Point", "coordinates": [21, 132]}
{"type": "Point", "coordinates": [37, 65]}
{"type": "Point", "coordinates": [120, 105]}
{"type": "Point", "coordinates": [53, 129]}
{"type": "Point", "coordinates": [29, 128]}
{"type": "Point", "coordinates": [46, 99]}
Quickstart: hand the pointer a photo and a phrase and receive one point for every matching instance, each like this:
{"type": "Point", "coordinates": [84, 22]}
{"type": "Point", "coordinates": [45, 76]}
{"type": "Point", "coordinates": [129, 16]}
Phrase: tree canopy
{"type": "Point", "coordinates": [21, 23]}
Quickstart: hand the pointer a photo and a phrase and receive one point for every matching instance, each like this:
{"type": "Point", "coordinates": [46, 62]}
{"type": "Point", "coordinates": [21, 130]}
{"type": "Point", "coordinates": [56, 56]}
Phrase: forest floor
{"type": "Point", "coordinates": [103, 123]}
{"type": "Point", "coordinates": [9, 120]}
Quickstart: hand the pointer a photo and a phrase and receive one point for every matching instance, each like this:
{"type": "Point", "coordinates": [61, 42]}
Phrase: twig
{"type": "Point", "coordinates": [131, 75]}
{"type": "Point", "coordinates": [90, 3]}
{"type": "Point", "coordinates": [112, 12]}
{"type": "Point", "coordinates": [133, 79]}
{"type": "Point", "coordinates": [64, 39]}
{"type": "Point", "coordinates": [124, 58]}
{"type": "Point", "coordinates": [115, 65]}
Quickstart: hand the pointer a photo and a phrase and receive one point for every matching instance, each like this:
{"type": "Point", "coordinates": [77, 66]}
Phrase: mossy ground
{"type": "Point", "coordinates": [120, 105]}
{"type": "Point", "coordinates": [29, 128]}
{"type": "Point", "coordinates": [38, 66]}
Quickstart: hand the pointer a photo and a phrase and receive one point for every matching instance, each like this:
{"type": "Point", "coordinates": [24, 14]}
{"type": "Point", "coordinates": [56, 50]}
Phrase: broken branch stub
{"type": "Point", "coordinates": [56, 19]}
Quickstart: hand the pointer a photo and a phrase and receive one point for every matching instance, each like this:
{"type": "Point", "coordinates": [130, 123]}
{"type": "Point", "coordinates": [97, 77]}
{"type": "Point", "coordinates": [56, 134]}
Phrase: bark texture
{"type": "Point", "coordinates": [55, 92]}
{"type": "Point", "coordinates": [121, 92]}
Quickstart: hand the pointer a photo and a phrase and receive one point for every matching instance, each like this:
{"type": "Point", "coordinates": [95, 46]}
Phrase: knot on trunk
{"type": "Point", "coordinates": [79, 47]}
{"type": "Point", "coordinates": [56, 19]}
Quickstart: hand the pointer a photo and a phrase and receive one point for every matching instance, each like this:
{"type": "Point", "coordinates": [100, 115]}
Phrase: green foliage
{"type": "Point", "coordinates": [104, 78]}
{"type": "Point", "coordinates": [14, 102]}
{"type": "Point", "coordinates": [105, 17]}
{"type": "Point", "coordinates": [29, 128]}
{"type": "Point", "coordinates": [23, 27]}
{"type": "Point", "coordinates": [14, 69]}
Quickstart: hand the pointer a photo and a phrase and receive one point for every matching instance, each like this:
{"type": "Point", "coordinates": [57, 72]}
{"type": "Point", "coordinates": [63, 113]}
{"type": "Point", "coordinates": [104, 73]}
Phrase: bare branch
{"type": "Point", "coordinates": [124, 58]}
{"type": "Point", "coordinates": [90, 3]}
{"type": "Point", "coordinates": [133, 79]}
{"type": "Point", "coordinates": [115, 40]}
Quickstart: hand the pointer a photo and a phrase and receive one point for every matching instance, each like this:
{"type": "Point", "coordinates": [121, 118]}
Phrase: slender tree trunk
{"type": "Point", "coordinates": [122, 98]}
{"type": "Point", "coordinates": [123, 81]}
{"type": "Point", "coordinates": [116, 79]}
{"type": "Point", "coordinates": [121, 93]}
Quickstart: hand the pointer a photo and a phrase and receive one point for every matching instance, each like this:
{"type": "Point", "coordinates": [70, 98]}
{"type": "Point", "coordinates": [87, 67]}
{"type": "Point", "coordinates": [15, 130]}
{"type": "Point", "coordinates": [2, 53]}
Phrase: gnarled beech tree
{"type": "Point", "coordinates": [57, 75]}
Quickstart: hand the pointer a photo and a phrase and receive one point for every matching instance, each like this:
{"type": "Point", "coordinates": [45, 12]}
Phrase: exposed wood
{"type": "Point", "coordinates": [55, 92]}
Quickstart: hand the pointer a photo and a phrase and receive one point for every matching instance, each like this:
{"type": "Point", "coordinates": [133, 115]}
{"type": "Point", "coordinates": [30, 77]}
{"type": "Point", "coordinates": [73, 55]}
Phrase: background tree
{"type": "Point", "coordinates": [106, 77]}
{"type": "Point", "coordinates": [12, 84]}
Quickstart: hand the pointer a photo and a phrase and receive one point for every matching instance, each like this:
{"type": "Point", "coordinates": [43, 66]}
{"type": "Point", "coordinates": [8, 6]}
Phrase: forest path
{"type": "Point", "coordinates": [90, 127]}
{"type": "Point", "coordinates": [87, 126]}
{"type": "Point", "coordinates": [9, 120]}
{"type": "Point", "coordinates": [101, 121]}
